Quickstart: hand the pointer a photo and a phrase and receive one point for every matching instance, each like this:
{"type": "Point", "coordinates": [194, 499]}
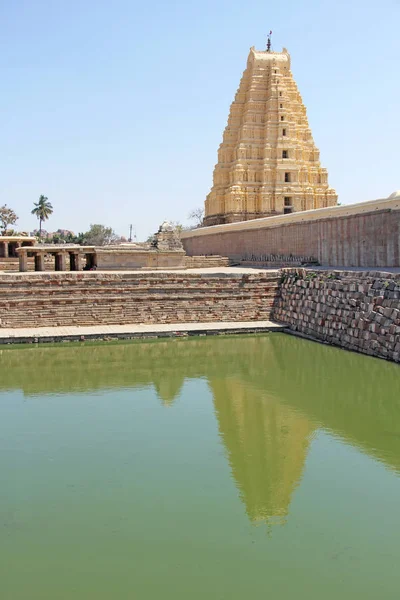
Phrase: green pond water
{"type": "Point", "coordinates": [206, 468]}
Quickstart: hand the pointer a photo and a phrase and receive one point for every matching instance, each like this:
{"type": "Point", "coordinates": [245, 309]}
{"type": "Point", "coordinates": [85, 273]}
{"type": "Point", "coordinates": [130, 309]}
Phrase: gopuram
{"type": "Point", "coordinates": [268, 163]}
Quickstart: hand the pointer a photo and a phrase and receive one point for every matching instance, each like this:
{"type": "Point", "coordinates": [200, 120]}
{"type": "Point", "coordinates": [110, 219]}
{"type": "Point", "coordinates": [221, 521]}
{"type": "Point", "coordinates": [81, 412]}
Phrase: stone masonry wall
{"type": "Point", "coordinates": [355, 310]}
{"type": "Point", "coordinates": [365, 235]}
{"type": "Point", "coordinates": [90, 298]}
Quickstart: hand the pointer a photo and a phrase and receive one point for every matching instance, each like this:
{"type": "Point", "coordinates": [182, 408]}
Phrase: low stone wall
{"type": "Point", "coordinates": [93, 298]}
{"type": "Point", "coordinates": [204, 262]}
{"type": "Point", "coordinates": [355, 310]}
{"type": "Point", "coordinates": [126, 259]}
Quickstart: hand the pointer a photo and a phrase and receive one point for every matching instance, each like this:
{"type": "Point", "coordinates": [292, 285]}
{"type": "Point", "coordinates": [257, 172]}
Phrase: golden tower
{"type": "Point", "coordinates": [268, 163]}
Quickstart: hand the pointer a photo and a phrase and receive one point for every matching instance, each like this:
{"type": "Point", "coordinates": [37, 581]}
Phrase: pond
{"type": "Point", "coordinates": [225, 467]}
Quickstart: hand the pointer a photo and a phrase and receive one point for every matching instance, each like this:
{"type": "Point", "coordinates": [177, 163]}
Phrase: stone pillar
{"type": "Point", "coordinates": [23, 261]}
{"type": "Point", "coordinates": [61, 261]}
{"type": "Point", "coordinates": [78, 261]}
{"type": "Point", "coordinates": [39, 261]}
{"type": "Point", "coordinates": [5, 254]}
{"type": "Point", "coordinates": [75, 261]}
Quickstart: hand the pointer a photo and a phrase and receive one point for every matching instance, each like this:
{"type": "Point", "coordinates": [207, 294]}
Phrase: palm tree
{"type": "Point", "coordinates": [43, 209]}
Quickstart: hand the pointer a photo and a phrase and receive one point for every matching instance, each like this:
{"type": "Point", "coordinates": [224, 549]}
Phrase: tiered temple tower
{"type": "Point", "coordinates": [268, 163]}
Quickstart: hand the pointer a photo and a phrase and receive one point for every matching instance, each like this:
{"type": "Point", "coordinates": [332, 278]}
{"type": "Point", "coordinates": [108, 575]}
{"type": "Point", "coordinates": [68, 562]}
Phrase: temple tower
{"type": "Point", "coordinates": [268, 163]}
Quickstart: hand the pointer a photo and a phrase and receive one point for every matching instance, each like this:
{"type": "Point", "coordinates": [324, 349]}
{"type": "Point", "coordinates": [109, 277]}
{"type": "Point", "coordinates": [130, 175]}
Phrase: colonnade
{"type": "Point", "coordinates": [10, 244]}
{"type": "Point", "coordinates": [77, 258]}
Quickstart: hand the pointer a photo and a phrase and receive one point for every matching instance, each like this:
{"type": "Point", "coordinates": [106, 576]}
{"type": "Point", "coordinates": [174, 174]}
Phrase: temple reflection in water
{"type": "Point", "coordinates": [267, 445]}
{"type": "Point", "coordinates": [270, 393]}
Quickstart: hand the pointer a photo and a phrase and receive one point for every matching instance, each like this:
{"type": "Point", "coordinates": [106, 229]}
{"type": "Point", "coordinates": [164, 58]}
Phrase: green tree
{"type": "Point", "coordinates": [43, 209]}
{"type": "Point", "coordinates": [56, 239]}
{"type": "Point", "coordinates": [99, 235]}
{"type": "Point", "coordinates": [7, 217]}
{"type": "Point", "coordinates": [79, 239]}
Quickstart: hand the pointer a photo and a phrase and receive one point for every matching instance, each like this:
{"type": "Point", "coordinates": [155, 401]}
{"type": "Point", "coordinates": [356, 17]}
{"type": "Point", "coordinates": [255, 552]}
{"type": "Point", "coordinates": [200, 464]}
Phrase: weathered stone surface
{"type": "Point", "coordinates": [121, 258]}
{"type": "Point", "coordinates": [167, 238]}
{"type": "Point", "coordinates": [326, 305]}
{"type": "Point", "coordinates": [51, 299]}
{"type": "Point", "coordinates": [343, 236]}
{"type": "Point", "coordinates": [305, 305]}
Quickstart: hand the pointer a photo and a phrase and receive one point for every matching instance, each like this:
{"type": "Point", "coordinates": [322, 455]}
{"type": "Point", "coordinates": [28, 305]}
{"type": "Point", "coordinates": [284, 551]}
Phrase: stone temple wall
{"type": "Point", "coordinates": [359, 235]}
{"type": "Point", "coordinates": [355, 310]}
{"type": "Point", "coordinates": [94, 298]}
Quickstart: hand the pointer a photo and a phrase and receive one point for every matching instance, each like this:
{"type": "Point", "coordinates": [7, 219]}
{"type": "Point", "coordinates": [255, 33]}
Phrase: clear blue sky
{"type": "Point", "coordinates": [115, 110]}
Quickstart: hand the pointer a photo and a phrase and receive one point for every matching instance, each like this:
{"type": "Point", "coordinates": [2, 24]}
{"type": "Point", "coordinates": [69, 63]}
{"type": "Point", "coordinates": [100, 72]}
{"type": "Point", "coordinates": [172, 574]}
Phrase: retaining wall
{"type": "Point", "coordinates": [358, 235]}
{"type": "Point", "coordinates": [59, 299]}
{"type": "Point", "coordinates": [355, 310]}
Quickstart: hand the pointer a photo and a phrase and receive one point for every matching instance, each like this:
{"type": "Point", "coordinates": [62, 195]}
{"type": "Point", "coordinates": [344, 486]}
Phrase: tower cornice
{"type": "Point", "coordinates": [270, 56]}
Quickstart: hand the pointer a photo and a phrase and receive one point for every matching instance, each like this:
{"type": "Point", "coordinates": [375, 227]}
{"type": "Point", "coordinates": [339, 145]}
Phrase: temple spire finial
{"type": "Point", "coordinates": [269, 42]}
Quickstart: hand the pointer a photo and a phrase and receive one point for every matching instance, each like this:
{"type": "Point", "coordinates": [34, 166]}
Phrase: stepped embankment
{"type": "Point", "coordinates": [94, 298]}
{"type": "Point", "coordinates": [355, 310]}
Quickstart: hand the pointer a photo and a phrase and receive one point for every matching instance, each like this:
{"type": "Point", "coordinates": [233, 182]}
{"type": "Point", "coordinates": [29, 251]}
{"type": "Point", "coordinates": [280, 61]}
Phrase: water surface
{"type": "Point", "coordinates": [227, 467]}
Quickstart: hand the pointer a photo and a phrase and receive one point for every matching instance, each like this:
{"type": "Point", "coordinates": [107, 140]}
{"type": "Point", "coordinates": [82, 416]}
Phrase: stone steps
{"type": "Point", "coordinates": [15, 296]}
{"type": "Point", "coordinates": [96, 298]}
{"type": "Point", "coordinates": [201, 262]}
